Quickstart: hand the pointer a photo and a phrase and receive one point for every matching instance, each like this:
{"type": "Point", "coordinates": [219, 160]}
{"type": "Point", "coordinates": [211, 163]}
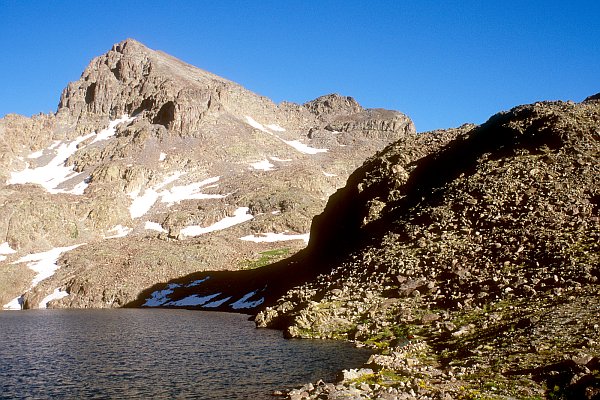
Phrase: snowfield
{"type": "Point", "coordinates": [142, 204]}
{"type": "Point", "coordinates": [275, 128]}
{"type": "Point", "coordinates": [216, 303]}
{"type": "Point", "coordinates": [280, 159]}
{"type": "Point", "coordinates": [160, 297]}
{"type": "Point", "coordinates": [190, 192]}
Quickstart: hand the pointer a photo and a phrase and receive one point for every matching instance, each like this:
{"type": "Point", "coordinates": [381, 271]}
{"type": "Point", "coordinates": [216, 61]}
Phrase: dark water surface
{"type": "Point", "coordinates": [132, 353]}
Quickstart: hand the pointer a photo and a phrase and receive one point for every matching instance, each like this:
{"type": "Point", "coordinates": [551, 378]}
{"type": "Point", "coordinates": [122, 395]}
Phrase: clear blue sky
{"type": "Point", "coordinates": [443, 63]}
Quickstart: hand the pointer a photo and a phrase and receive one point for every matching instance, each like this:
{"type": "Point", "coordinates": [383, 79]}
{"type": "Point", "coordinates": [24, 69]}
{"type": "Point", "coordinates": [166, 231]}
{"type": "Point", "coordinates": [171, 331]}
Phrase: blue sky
{"type": "Point", "coordinates": [443, 63]}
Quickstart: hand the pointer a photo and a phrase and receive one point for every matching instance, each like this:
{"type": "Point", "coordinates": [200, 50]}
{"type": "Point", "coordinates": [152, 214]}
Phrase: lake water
{"type": "Point", "coordinates": [133, 353]}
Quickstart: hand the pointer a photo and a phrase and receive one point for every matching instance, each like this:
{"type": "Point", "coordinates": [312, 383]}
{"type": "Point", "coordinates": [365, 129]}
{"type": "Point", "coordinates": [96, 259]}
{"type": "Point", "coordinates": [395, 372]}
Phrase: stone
{"type": "Point", "coordinates": [429, 318]}
{"type": "Point", "coordinates": [353, 374]}
{"type": "Point", "coordinates": [582, 359]}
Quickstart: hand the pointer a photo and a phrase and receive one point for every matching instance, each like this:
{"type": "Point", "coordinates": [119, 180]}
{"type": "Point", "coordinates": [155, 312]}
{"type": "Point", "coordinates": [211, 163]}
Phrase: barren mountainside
{"type": "Point", "coordinates": [152, 169]}
{"type": "Point", "coordinates": [469, 258]}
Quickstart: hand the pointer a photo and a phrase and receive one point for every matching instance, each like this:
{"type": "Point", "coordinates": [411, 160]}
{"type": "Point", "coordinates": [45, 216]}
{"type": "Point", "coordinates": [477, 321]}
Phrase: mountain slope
{"type": "Point", "coordinates": [470, 257]}
{"type": "Point", "coordinates": [147, 152]}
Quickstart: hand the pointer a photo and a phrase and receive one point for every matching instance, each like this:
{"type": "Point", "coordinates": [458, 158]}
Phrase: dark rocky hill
{"type": "Point", "coordinates": [156, 169]}
{"type": "Point", "coordinates": [469, 257]}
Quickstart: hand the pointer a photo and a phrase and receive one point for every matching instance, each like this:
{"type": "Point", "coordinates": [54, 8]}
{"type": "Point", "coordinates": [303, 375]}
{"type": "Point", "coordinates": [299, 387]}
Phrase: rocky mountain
{"type": "Point", "coordinates": [152, 169]}
{"type": "Point", "coordinates": [469, 258]}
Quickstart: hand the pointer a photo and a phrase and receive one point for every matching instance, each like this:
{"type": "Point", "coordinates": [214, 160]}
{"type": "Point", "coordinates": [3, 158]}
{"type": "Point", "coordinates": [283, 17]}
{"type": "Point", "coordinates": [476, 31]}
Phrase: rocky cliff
{"type": "Point", "coordinates": [469, 257]}
{"type": "Point", "coordinates": [152, 169]}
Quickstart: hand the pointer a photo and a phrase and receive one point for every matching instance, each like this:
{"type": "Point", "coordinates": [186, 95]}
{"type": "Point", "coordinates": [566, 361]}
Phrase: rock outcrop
{"type": "Point", "coordinates": [469, 257]}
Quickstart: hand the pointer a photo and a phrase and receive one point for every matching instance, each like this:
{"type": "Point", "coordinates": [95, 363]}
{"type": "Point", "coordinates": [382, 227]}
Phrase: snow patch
{"type": "Point", "coordinates": [45, 263]}
{"type": "Point", "coordinates": [79, 188]}
{"type": "Point", "coordinates": [216, 303]}
{"type": "Point", "coordinates": [142, 204]}
{"type": "Point", "coordinates": [158, 298]}
{"type": "Point", "coordinates": [14, 304]}
{"type": "Point", "coordinates": [244, 303]}
{"type": "Point", "coordinates": [264, 165]}
{"type": "Point", "coordinates": [257, 125]}
{"type": "Point", "coordinates": [162, 156]}
{"type": "Point", "coordinates": [5, 250]}
{"type": "Point", "coordinates": [276, 128]}
{"type": "Point", "coordinates": [197, 282]}
{"type": "Point", "coordinates": [280, 159]}
{"type": "Point", "coordinates": [154, 226]}
{"type": "Point", "coordinates": [193, 300]}
{"type": "Point", "coordinates": [36, 154]}
{"type": "Point", "coordinates": [105, 134]}
{"type": "Point", "coordinates": [54, 145]}
{"type": "Point", "coordinates": [169, 179]}
{"type": "Point", "coordinates": [118, 231]}
{"type": "Point", "coordinates": [56, 295]}
{"type": "Point", "coordinates": [240, 215]}
{"type": "Point", "coordinates": [53, 174]}
{"type": "Point", "coordinates": [301, 147]}
{"type": "Point", "coordinates": [327, 174]}
{"type": "Point", "coordinates": [275, 237]}
{"type": "Point", "coordinates": [189, 192]}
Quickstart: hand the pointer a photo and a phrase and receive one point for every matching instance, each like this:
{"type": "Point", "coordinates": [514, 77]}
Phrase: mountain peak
{"type": "Point", "coordinates": [136, 80]}
{"type": "Point", "coordinates": [132, 78]}
{"type": "Point", "coordinates": [129, 45]}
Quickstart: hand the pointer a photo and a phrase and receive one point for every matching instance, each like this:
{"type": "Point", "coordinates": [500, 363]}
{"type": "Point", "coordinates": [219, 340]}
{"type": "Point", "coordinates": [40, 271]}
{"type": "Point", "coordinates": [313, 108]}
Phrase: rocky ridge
{"type": "Point", "coordinates": [469, 258]}
{"type": "Point", "coordinates": [149, 155]}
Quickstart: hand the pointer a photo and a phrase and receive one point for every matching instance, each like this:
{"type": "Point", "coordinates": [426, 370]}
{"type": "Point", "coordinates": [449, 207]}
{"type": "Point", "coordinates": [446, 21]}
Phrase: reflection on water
{"type": "Point", "coordinates": [133, 353]}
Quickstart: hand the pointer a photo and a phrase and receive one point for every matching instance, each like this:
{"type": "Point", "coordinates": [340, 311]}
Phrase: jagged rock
{"type": "Point", "coordinates": [333, 105]}
{"type": "Point", "coordinates": [595, 97]}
